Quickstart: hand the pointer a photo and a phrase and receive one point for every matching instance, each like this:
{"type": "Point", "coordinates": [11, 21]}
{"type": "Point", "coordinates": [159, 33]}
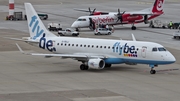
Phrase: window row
{"type": "Point", "coordinates": [90, 46]}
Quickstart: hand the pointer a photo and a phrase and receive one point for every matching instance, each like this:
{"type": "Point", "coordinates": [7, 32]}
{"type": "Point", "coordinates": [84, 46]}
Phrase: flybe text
{"type": "Point", "coordinates": [126, 50]}
{"type": "Point", "coordinates": [46, 44]}
{"type": "Point", "coordinates": [35, 28]}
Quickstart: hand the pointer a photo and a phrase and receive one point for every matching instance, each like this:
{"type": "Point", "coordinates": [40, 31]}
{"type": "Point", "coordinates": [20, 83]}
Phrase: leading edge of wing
{"type": "Point", "coordinates": [61, 55]}
{"type": "Point", "coordinates": [68, 55]}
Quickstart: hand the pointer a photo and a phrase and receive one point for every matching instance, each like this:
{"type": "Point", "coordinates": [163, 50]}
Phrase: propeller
{"type": "Point", "coordinates": [120, 16]}
{"type": "Point", "coordinates": [91, 12]}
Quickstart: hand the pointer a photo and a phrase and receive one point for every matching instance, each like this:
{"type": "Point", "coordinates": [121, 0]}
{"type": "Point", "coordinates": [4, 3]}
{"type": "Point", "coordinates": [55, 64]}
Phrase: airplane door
{"type": "Point", "coordinates": [143, 51]}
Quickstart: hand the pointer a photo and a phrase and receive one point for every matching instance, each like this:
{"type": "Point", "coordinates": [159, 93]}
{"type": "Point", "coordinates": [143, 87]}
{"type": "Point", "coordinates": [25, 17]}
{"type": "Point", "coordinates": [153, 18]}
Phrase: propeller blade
{"type": "Point", "coordinates": [94, 10]}
{"type": "Point", "coordinates": [123, 12]}
{"type": "Point", "coordinates": [89, 10]}
{"type": "Point", "coordinates": [117, 20]}
{"type": "Point", "coordinates": [119, 11]}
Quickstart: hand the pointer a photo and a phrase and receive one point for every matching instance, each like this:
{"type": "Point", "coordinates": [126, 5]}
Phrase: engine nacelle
{"type": "Point", "coordinates": [96, 63]}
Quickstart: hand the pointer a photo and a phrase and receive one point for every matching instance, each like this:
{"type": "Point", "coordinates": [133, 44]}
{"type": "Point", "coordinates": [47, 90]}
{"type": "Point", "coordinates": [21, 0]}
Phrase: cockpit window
{"type": "Point", "coordinates": [154, 49]}
{"type": "Point", "coordinates": [161, 49]}
{"type": "Point", "coordinates": [81, 19]}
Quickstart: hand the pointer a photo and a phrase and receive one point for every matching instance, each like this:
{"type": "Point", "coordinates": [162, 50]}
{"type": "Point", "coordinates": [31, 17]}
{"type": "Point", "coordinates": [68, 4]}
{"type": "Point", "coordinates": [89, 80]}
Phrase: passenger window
{"type": "Point", "coordinates": [109, 47]}
{"type": "Point", "coordinates": [96, 46]}
{"type": "Point", "coordinates": [104, 46]}
{"type": "Point", "coordinates": [100, 46]}
{"type": "Point", "coordinates": [112, 47]}
{"type": "Point", "coordinates": [72, 44]}
{"type": "Point", "coordinates": [61, 44]}
{"type": "Point", "coordinates": [92, 46]}
{"type": "Point", "coordinates": [84, 45]}
{"type": "Point", "coordinates": [88, 45]}
{"type": "Point", "coordinates": [76, 45]}
{"type": "Point", "coordinates": [64, 44]}
{"type": "Point", "coordinates": [69, 44]}
{"type": "Point", "coordinates": [154, 49]}
{"type": "Point", "coordinates": [80, 45]}
{"type": "Point", "coordinates": [57, 43]}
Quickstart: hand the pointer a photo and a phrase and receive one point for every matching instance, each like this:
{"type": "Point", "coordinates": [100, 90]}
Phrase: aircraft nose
{"type": "Point", "coordinates": [171, 58]}
{"type": "Point", "coordinates": [74, 25]}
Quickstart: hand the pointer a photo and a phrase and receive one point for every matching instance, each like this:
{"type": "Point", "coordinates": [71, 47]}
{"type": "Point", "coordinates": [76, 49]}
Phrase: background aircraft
{"type": "Point", "coordinates": [94, 53]}
{"type": "Point", "coordinates": [115, 18]}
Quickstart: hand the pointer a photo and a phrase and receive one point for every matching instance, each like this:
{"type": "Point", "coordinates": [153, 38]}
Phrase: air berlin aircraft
{"type": "Point", "coordinates": [115, 18]}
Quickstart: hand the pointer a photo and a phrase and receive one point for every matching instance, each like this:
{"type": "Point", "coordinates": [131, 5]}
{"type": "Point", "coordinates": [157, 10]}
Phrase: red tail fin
{"type": "Point", "coordinates": [158, 6]}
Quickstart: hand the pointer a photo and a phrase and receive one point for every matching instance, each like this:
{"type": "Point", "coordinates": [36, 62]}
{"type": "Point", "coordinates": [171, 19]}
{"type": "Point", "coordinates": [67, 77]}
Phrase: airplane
{"type": "Point", "coordinates": [93, 53]}
{"type": "Point", "coordinates": [115, 18]}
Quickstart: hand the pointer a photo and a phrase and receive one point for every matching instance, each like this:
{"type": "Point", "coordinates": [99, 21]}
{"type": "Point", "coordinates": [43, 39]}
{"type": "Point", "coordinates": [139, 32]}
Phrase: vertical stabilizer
{"type": "Point", "coordinates": [158, 7]}
{"type": "Point", "coordinates": [35, 25]}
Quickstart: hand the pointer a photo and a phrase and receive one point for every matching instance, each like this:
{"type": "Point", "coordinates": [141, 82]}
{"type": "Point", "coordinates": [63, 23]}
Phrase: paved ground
{"type": "Point", "coordinates": [34, 78]}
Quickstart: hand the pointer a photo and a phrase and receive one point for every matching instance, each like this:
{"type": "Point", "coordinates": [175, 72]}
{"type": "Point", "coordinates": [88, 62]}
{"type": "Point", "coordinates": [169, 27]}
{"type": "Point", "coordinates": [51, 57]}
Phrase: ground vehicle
{"type": "Point", "coordinates": [175, 25]}
{"type": "Point", "coordinates": [54, 26]}
{"type": "Point", "coordinates": [176, 34]}
{"type": "Point", "coordinates": [41, 16]}
{"type": "Point", "coordinates": [16, 16]}
{"type": "Point", "coordinates": [68, 32]}
{"type": "Point", "coordinates": [100, 31]}
{"type": "Point", "coordinates": [158, 24]}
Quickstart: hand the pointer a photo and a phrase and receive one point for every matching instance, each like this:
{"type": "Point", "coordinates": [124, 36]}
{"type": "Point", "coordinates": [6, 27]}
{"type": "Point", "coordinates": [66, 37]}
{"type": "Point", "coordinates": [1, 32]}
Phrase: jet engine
{"type": "Point", "coordinates": [96, 63]}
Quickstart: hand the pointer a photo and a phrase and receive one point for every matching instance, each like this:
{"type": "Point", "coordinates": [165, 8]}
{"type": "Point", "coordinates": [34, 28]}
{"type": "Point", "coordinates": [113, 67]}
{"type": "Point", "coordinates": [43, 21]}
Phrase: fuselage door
{"type": "Point", "coordinates": [143, 51]}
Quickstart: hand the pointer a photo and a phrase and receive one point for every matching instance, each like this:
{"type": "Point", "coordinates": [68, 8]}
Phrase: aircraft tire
{"type": "Point", "coordinates": [133, 27]}
{"type": "Point", "coordinates": [153, 72]}
{"type": "Point", "coordinates": [107, 65]}
{"type": "Point", "coordinates": [82, 67]}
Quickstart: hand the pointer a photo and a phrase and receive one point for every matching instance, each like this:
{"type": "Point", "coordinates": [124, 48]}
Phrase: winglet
{"type": "Point", "coordinates": [134, 39]}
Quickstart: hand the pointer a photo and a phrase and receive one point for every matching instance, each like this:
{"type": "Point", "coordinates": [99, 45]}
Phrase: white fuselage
{"type": "Point", "coordinates": [115, 51]}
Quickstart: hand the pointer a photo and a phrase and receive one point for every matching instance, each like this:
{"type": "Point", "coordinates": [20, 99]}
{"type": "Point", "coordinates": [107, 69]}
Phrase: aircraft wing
{"type": "Point", "coordinates": [78, 56]}
{"type": "Point", "coordinates": [68, 55]}
{"type": "Point", "coordinates": [85, 10]}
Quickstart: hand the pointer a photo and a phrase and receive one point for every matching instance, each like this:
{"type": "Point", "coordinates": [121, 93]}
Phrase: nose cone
{"type": "Point", "coordinates": [74, 25]}
{"type": "Point", "coordinates": [170, 58]}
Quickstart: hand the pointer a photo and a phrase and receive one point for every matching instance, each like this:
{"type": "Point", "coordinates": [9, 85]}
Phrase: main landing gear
{"type": "Point", "coordinates": [84, 67]}
{"type": "Point", "coordinates": [152, 71]}
{"type": "Point", "coordinates": [133, 27]}
{"type": "Point", "coordinates": [107, 65]}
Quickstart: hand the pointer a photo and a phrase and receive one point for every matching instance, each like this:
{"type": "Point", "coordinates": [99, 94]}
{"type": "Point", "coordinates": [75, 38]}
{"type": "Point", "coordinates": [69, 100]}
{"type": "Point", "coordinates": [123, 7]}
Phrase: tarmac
{"type": "Point", "coordinates": [33, 78]}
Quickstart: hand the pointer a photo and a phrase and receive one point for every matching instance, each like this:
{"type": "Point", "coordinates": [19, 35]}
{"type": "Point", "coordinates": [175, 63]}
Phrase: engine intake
{"type": "Point", "coordinates": [96, 63]}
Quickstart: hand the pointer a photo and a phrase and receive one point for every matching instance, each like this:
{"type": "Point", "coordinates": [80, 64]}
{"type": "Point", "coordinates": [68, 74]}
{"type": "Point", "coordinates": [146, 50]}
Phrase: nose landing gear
{"type": "Point", "coordinates": [152, 71]}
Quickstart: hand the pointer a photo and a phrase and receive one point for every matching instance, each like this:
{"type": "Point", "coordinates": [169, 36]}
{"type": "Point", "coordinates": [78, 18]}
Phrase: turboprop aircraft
{"type": "Point", "coordinates": [94, 53]}
{"type": "Point", "coordinates": [116, 18]}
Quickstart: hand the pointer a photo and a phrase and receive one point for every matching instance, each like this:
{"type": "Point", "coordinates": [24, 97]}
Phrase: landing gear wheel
{"type": "Point", "coordinates": [107, 65]}
{"type": "Point", "coordinates": [133, 27]}
{"type": "Point", "coordinates": [77, 29]}
{"type": "Point", "coordinates": [153, 71]}
{"type": "Point", "coordinates": [84, 67]}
